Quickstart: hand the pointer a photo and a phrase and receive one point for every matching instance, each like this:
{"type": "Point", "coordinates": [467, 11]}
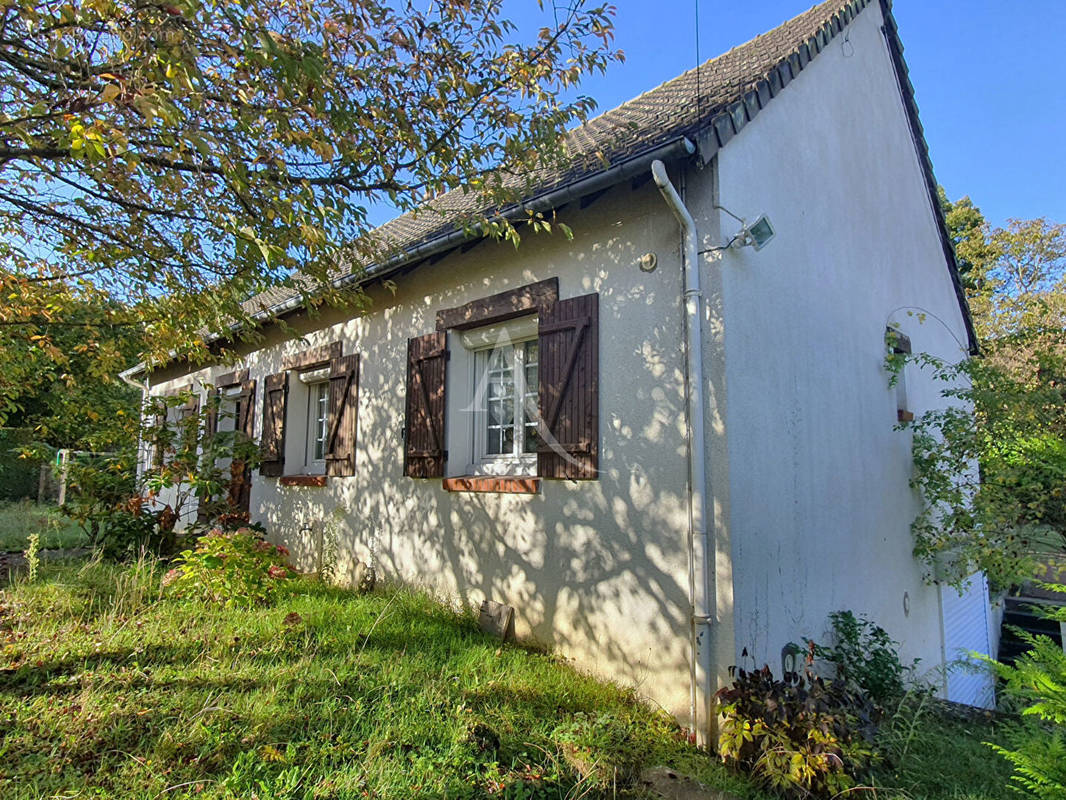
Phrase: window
{"type": "Point", "coordinates": [309, 416]}
{"type": "Point", "coordinates": [899, 348]}
{"type": "Point", "coordinates": [308, 423]}
{"type": "Point", "coordinates": [317, 424]}
{"type": "Point", "coordinates": [493, 416]}
{"type": "Point", "coordinates": [506, 426]}
{"type": "Point", "coordinates": [229, 412]}
{"type": "Point", "coordinates": [517, 397]}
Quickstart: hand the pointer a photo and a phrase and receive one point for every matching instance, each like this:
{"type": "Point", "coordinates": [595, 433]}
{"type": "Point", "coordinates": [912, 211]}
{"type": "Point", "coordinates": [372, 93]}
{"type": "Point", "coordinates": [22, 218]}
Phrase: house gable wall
{"type": "Point", "coordinates": [818, 477]}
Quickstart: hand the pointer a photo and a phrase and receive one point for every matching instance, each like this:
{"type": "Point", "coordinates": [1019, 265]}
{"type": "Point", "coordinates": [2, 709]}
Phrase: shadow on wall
{"type": "Point", "coordinates": [596, 569]}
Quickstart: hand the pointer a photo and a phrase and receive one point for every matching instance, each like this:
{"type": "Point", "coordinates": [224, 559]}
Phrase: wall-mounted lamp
{"type": "Point", "coordinates": [755, 234]}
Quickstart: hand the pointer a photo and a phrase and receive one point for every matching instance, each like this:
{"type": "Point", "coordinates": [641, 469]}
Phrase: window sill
{"type": "Point", "coordinates": [302, 480]}
{"type": "Point", "coordinates": [493, 484]}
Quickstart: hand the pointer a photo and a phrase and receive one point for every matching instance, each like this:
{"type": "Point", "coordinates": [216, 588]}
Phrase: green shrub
{"type": "Point", "coordinates": [1037, 746]}
{"type": "Point", "coordinates": [18, 473]}
{"type": "Point", "coordinates": [233, 568]}
{"type": "Point", "coordinates": [189, 473]}
{"type": "Point", "coordinates": [804, 736]}
{"type": "Point", "coordinates": [102, 498]}
{"type": "Point", "coordinates": [865, 655]}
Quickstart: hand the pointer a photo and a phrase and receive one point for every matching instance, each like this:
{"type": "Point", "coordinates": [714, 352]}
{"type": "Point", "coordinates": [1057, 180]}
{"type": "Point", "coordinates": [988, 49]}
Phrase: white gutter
{"type": "Point", "coordinates": [699, 564]}
{"type": "Point", "coordinates": [127, 376]}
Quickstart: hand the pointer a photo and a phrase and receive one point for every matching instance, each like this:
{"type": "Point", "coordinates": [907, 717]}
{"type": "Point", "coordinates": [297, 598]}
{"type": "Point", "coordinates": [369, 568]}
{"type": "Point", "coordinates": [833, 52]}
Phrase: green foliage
{"type": "Point", "coordinates": [231, 568]}
{"type": "Point", "coordinates": [866, 656]}
{"type": "Point", "coordinates": [124, 512]}
{"type": "Point", "coordinates": [19, 470]}
{"type": "Point", "coordinates": [968, 231]}
{"type": "Point", "coordinates": [198, 456]}
{"type": "Point", "coordinates": [804, 736]}
{"type": "Point", "coordinates": [991, 466]}
{"type": "Point", "coordinates": [102, 499]}
{"type": "Point", "coordinates": [1037, 754]}
{"type": "Point", "coordinates": [991, 469]}
{"type": "Point", "coordinates": [59, 365]}
{"type": "Point", "coordinates": [182, 157]}
{"type": "Point", "coordinates": [1036, 748]}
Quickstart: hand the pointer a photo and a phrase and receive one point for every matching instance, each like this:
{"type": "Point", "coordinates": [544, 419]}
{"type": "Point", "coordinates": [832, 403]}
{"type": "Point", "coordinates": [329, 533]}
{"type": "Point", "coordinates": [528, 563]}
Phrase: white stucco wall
{"type": "Point", "coordinates": [819, 501]}
{"type": "Point", "coordinates": [596, 569]}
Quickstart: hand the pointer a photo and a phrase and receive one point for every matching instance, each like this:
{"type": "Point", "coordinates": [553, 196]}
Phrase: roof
{"type": "Point", "coordinates": [708, 104]}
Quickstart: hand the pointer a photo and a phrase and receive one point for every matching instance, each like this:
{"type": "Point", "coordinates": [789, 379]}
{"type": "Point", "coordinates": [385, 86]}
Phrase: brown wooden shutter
{"type": "Point", "coordinates": [343, 410]}
{"type": "Point", "coordinates": [424, 453]}
{"type": "Point", "coordinates": [240, 488]}
{"type": "Point", "coordinates": [214, 399]}
{"type": "Point", "coordinates": [272, 443]}
{"type": "Point", "coordinates": [245, 422]}
{"type": "Point", "coordinates": [569, 389]}
{"type": "Point", "coordinates": [191, 409]}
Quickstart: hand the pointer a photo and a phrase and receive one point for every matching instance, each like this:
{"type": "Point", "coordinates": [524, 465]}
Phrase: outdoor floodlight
{"type": "Point", "coordinates": [756, 235]}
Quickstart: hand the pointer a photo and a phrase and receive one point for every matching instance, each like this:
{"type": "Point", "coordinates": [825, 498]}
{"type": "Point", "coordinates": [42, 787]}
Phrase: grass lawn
{"type": "Point", "coordinates": [107, 690]}
{"type": "Point", "coordinates": [930, 755]}
{"type": "Point", "coordinates": [19, 520]}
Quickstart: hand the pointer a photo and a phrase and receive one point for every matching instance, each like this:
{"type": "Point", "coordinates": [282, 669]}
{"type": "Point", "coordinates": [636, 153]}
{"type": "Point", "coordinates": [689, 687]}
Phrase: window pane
{"type": "Point", "coordinates": [319, 418]}
{"type": "Point", "coordinates": [500, 401]}
{"type": "Point", "coordinates": [530, 399]}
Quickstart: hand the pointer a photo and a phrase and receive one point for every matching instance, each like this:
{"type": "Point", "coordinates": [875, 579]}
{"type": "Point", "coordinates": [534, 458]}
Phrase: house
{"type": "Point", "coordinates": [670, 443]}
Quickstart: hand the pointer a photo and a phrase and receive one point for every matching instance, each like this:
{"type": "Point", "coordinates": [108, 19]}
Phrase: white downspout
{"type": "Point", "coordinates": [699, 565]}
{"type": "Point", "coordinates": [129, 380]}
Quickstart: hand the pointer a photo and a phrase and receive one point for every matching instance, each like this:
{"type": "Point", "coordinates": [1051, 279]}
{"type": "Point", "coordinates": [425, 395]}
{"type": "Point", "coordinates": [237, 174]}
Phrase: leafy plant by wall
{"type": "Point", "coordinates": [191, 464]}
{"type": "Point", "coordinates": [805, 736]}
{"type": "Point", "coordinates": [865, 655]}
{"type": "Point", "coordinates": [232, 568]}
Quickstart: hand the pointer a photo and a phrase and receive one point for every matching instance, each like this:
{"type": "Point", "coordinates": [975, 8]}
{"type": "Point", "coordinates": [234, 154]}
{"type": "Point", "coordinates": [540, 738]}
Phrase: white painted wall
{"type": "Point", "coordinates": [819, 501]}
{"type": "Point", "coordinates": [597, 569]}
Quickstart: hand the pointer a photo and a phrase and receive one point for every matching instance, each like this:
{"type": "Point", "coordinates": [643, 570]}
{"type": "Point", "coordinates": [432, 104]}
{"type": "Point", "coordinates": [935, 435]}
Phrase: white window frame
{"type": "Point", "coordinates": [227, 416]}
{"type": "Point", "coordinates": [317, 425]}
{"type": "Point", "coordinates": [478, 344]}
{"type": "Point", "coordinates": [300, 421]}
{"type": "Point", "coordinates": [317, 383]}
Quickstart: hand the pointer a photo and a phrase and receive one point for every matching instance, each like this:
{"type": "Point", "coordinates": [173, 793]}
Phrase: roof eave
{"type": "Point", "coordinates": [675, 149]}
{"type": "Point", "coordinates": [895, 48]}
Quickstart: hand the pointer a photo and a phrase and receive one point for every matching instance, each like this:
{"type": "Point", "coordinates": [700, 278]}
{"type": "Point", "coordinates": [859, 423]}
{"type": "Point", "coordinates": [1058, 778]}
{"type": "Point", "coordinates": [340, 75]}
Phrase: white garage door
{"type": "Point", "coordinates": [965, 631]}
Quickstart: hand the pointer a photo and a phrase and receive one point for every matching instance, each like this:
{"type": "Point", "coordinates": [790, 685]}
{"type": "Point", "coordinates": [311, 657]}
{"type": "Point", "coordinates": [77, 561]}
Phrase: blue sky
{"type": "Point", "coordinates": [990, 79]}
